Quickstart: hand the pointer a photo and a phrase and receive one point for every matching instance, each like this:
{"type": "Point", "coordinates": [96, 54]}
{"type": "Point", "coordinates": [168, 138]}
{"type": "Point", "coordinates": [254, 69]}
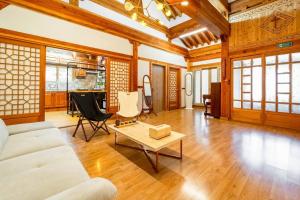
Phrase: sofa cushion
{"type": "Point", "coordinates": [41, 174]}
{"type": "Point", "coordinates": [32, 141]}
{"type": "Point", "coordinates": [3, 134]}
{"type": "Point", "coordinates": [94, 189]}
{"type": "Point", "coordinates": [21, 128]}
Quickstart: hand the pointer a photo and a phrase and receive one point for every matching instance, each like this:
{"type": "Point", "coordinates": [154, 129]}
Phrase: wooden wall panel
{"type": "Point", "coordinates": [269, 24]}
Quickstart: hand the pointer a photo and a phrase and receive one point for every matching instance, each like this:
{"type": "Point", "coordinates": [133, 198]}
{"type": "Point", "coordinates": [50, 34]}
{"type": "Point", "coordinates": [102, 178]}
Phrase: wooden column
{"type": "Point", "coordinates": [225, 78]}
{"type": "Point", "coordinates": [134, 66]}
{"type": "Point", "coordinates": [188, 65]}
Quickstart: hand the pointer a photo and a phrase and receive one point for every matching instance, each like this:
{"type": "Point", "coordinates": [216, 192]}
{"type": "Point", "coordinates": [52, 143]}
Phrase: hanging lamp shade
{"type": "Point", "coordinates": [128, 5]}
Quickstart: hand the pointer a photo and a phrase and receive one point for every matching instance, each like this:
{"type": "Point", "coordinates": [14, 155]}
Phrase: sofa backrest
{"type": "Point", "coordinates": [3, 134]}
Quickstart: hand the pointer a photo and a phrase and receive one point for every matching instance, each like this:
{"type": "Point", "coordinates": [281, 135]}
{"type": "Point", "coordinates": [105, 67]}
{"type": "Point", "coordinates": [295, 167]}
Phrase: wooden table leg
{"type": "Point", "coordinates": [115, 139]}
{"type": "Point", "coordinates": [181, 149]}
{"type": "Point", "coordinates": [156, 160]}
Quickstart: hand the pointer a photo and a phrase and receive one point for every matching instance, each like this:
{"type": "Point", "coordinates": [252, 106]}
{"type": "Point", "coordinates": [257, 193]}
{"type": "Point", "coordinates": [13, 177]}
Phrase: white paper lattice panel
{"type": "Point", "coordinates": [19, 79]}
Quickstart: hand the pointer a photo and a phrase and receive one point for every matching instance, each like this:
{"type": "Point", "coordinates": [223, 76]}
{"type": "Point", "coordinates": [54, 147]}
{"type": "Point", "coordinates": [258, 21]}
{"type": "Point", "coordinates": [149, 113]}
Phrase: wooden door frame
{"type": "Point", "coordinates": [164, 66]}
{"type": "Point", "coordinates": [178, 85]}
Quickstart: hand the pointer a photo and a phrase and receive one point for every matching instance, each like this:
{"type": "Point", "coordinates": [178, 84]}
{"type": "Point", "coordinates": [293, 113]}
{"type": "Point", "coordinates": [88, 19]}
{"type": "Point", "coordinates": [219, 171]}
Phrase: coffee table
{"type": "Point", "coordinates": [139, 133]}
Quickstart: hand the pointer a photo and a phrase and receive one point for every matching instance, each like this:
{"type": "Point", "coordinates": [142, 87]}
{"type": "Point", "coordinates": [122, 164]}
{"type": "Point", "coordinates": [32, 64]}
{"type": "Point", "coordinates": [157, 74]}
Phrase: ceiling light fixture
{"type": "Point", "coordinates": [134, 16]}
{"type": "Point", "coordinates": [160, 22]}
{"type": "Point", "coordinates": [143, 23]}
{"type": "Point", "coordinates": [137, 9]}
{"type": "Point", "coordinates": [128, 5]}
{"type": "Point", "coordinates": [184, 3]}
{"type": "Point", "coordinates": [193, 32]}
{"type": "Point", "coordinates": [168, 13]}
{"type": "Point", "coordinates": [160, 6]}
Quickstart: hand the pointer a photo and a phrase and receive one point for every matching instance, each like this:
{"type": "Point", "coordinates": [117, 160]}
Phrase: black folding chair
{"type": "Point", "coordinates": [88, 107]}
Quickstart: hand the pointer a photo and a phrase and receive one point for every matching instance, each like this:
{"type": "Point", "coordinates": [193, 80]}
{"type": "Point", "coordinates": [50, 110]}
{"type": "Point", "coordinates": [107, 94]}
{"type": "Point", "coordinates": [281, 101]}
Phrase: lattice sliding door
{"type": "Point", "coordinates": [119, 80]}
{"type": "Point", "coordinates": [174, 86]}
{"type": "Point", "coordinates": [21, 82]}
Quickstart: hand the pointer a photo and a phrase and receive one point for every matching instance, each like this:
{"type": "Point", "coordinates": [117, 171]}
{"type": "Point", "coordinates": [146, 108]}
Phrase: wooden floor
{"type": "Point", "coordinates": [222, 160]}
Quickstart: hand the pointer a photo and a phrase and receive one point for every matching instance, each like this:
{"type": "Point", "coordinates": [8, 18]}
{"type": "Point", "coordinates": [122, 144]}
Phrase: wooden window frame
{"type": "Point", "coordinates": [241, 59]}
{"type": "Point", "coordinates": [290, 63]}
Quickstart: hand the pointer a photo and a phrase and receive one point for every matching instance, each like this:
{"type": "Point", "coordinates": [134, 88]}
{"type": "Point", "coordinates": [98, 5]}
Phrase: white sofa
{"type": "Point", "coordinates": [36, 163]}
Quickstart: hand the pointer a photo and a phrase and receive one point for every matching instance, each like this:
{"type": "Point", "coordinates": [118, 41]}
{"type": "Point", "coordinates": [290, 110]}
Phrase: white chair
{"type": "Point", "coordinates": [128, 104]}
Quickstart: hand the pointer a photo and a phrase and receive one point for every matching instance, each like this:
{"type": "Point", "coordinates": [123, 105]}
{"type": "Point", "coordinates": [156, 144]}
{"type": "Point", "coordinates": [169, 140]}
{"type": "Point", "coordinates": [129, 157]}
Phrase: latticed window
{"type": "Point", "coordinates": [19, 79]}
{"type": "Point", "coordinates": [281, 77]}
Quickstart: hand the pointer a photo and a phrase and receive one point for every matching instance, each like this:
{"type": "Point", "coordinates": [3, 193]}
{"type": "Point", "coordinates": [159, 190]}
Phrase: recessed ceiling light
{"type": "Point", "coordinates": [184, 3]}
{"type": "Point", "coordinates": [193, 32]}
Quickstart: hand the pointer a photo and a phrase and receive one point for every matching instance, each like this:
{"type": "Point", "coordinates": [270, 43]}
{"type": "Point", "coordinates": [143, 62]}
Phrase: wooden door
{"type": "Point", "coordinates": [173, 87]}
{"type": "Point", "coordinates": [158, 84]}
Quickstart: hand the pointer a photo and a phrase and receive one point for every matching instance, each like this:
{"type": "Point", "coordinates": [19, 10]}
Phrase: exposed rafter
{"type": "Point", "coordinates": [203, 34]}
{"type": "Point", "coordinates": [119, 8]}
{"type": "Point", "coordinates": [200, 41]}
{"type": "Point", "coordinates": [79, 16]}
{"type": "Point", "coordinates": [206, 15]}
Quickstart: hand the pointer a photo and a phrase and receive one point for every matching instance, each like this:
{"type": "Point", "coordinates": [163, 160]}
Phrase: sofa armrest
{"type": "Point", "coordinates": [93, 189]}
{"type": "Point", "coordinates": [21, 128]}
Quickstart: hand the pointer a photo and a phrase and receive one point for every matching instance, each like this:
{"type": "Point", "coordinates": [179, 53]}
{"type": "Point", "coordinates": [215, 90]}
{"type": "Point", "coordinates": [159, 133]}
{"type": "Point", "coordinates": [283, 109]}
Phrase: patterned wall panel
{"type": "Point", "coordinates": [119, 80]}
{"type": "Point", "coordinates": [19, 79]}
{"type": "Point", "coordinates": [173, 86]}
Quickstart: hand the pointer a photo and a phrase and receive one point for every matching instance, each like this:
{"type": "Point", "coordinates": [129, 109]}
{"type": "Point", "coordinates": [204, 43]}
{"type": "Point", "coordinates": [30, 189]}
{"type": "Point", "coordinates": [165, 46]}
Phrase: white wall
{"type": "Point", "coordinates": [143, 69]}
{"type": "Point", "coordinates": [157, 54]}
{"type": "Point", "coordinates": [31, 22]}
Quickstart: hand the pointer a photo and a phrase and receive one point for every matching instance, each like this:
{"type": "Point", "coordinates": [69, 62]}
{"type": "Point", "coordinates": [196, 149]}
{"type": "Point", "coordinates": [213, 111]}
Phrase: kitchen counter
{"type": "Point", "coordinates": [86, 91]}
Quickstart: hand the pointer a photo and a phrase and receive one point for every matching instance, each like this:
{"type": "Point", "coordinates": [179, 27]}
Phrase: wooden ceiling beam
{"type": "Point", "coordinates": [205, 51]}
{"type": "Point", "coordinates": [205, 57]}
{"type": "Point", "coordinates": [182, 28]}
{"type": "Point", "coordinates": [119, 8]}
{"type": "Point", "coordinates": [3, 5]}
{"type": "Point", "coordinates": [80, 16]}
{"type": "Point", "coordinates": [225, 3]}
{"type": "Point", "coordinates": [221, 6]}
{"type": "Point", "coordinates": [243, 5]}
{"type": "Point", "coordinates": [207, 15]}
{"type": "Point", "coordinates": [74, 2]}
